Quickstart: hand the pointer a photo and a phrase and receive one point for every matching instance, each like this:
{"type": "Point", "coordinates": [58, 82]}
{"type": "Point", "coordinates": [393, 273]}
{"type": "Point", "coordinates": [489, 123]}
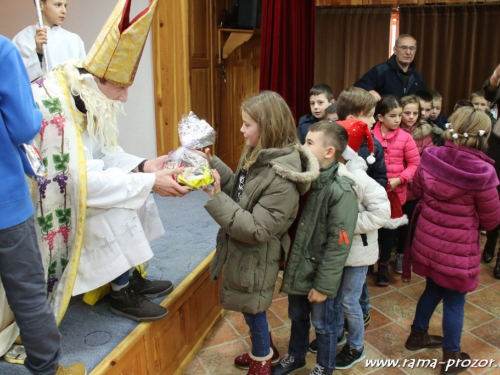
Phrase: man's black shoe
{"type": "Point", "coordinates": [150, 288]}
{"type": "Point", "coordinates": [130, 304]}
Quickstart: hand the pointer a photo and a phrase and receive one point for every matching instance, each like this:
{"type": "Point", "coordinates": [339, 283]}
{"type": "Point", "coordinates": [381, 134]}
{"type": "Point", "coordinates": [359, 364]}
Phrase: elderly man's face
{"type": "Point", "coordinates": [112, 91]}
{"type": "Point", "coordinates": [405, 51]}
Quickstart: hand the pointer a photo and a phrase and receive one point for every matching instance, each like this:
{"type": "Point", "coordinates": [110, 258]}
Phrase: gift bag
{"type": "Point", "coordinates": [193, 134]}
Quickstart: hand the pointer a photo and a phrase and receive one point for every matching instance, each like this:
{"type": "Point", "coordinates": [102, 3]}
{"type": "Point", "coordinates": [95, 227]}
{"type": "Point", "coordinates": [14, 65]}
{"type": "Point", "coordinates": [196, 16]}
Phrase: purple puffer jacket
{"type": "Point", "coordinates": [458, 186]}
{"type": "Point", "coordinates": [401, 157]}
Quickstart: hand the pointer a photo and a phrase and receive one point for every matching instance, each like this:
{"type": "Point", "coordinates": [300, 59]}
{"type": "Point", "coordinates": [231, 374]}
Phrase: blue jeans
{"type": "Point", "coordinates": [347, 302]}
{"type": "Point", "coordinates": [453, 313]}
{"type": "Point", "coordinates": [261, 340]}
{"type": "Point", "coordinates": [301, 312]}
{"type": "Point", "coordinates": [364, 300]}
{"type": "Point", "coordinates": [23, 279]}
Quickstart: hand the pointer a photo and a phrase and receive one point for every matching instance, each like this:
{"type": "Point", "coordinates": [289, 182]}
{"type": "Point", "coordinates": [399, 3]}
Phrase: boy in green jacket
{"type": "Point", "coordinates": [322, 236]}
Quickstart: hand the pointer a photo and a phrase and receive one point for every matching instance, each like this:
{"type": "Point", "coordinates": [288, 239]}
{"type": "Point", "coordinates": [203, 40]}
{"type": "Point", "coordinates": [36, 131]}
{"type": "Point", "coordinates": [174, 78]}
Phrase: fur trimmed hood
{"type": "Point", "coordinates": [309, 168]}
{"type": "Point", "coordinates": [421, 131]}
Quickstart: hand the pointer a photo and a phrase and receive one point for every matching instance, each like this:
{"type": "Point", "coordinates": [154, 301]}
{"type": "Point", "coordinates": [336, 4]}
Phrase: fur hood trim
{"type": "Point", "coordinates": [421, 131]}
{"type": "Point", "coordinates": [344, 172]}
{"type": "Point", "coordinates": [310, 168]}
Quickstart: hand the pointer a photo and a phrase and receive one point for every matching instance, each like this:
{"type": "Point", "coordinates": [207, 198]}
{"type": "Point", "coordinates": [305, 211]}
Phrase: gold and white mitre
{"type": "Point", "coordinates": [117, 50]}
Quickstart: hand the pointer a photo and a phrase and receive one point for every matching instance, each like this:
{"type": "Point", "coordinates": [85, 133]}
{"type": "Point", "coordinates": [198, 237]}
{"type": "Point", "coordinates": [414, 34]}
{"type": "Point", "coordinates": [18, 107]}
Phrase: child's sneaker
{"type": "Point", "coordinates": [399, 263]}
{"type": "Point", "coordinates": [348, 356]}
{"type": "Point", "coordinates": [367, 319]}
{"type": "Point", "coordinates": [288, 365]}
{"type": "Point", "coordinates": [313, 346]}
{"type": "Point", "coordinates": [320, 370]}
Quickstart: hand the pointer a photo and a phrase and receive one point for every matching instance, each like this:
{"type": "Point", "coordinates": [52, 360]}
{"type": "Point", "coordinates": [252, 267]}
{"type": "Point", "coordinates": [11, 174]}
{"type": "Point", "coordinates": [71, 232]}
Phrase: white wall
{"type": "Point", "coordinates": [86, 18]}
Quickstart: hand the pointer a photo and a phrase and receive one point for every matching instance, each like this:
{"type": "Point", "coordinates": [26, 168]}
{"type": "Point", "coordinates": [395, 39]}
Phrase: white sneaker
{"type": "Point", "coordinates": [399, 263]}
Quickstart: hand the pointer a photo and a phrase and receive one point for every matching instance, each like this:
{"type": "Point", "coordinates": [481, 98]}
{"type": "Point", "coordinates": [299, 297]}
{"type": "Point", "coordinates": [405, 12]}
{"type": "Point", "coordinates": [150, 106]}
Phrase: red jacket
{"type": "Point", "coordinates": [401, 157]}
{"type": "Point", "coordinates": [458, 187]}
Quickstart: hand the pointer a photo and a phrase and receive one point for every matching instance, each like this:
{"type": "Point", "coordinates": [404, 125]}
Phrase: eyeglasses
{"type": "Point", "coordinates": [405, 48]}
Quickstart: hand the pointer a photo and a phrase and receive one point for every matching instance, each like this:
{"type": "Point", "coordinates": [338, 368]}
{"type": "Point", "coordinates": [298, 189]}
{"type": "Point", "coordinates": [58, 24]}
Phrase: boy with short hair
{"type": "Point", "coordinates": [331, 112]}
{"type": "Point", "coordinates": [437, 117]}
{"type": "Point", "coordinates": [322, 235]}
{"type": "Point", "coordinates": [320, 97]}
{"type": "Point", "coordinates": [425, 99]}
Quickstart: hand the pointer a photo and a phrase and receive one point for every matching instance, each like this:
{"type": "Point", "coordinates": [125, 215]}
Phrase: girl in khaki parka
{"type": "Point", "coordinates": [254, 207]}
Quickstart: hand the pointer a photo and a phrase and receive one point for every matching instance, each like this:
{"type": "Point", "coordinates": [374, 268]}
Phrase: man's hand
{"type": "Point", "coordinates": [315, 296]}
{"type": "Point", "coordinates": [40, 40]}
{"type": "Point", "coordinates": [216, 185]}
{"type": "Point", "coordinates": [375, 94]}
{"type": "Point", "coordinates": [155, 165]}
{"type": "Point", "coordinates": [166, 186]}
{"type": "Point", "coordinates": [495, 77]}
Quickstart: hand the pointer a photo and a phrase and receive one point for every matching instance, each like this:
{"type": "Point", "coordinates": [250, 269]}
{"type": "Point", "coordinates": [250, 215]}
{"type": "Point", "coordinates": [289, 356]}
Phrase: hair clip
{"type": "Point", "coordinates": [451, 130]}
{"type": "Point", "coordinates": [466, 135]}
{"type": "Point", "coordinates": [447, 125]}
{"type": "Point", "coordinates": [481, 133]}
{"type": "Point", "coordinates": [455, 136]}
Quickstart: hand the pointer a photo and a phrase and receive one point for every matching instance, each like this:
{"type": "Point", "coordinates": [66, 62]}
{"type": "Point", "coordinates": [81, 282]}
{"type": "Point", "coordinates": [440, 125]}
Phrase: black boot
{"type": "Point", "coordinates": [130, 304]}
{"type": "Point", "coordinates": [150, 288]}
{"type": "Point", "coordinates": [456, 362]}
{"type": "Point", "coordinates": [383, 274]}
{"type": "Point", "coordinates": [422, 340]}
{"type": "Point", "coordinates": [491, 243]}
{"type": "Point", "coordinates": [496, 270]}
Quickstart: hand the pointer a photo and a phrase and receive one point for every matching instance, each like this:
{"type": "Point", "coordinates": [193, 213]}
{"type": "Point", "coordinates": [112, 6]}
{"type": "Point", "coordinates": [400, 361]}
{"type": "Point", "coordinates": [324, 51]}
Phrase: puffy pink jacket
{"type": "Point", "coordinates": [458, 187]}
{"type": "Point", "coordinates": [401, 157]}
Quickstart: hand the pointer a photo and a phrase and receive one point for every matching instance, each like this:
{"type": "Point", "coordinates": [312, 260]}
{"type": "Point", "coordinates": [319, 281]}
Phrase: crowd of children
{"type": "Point", "coordinates": [379, 187]}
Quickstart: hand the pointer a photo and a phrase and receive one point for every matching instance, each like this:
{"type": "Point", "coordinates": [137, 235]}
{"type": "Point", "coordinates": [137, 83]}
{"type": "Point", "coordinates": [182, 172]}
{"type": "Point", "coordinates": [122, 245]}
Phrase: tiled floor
{"type": "Point", "coordinates": [392, 313]}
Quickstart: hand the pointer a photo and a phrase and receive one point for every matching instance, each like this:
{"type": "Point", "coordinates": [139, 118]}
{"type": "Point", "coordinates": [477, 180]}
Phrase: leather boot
{"type": "Point", "coordinates": [496, 270]}
{"type": "Point", "coordinates": [489, 251]}
{"type": "Point", "coordinates": [260, 365]}
{"type": "Point", "coordinates": [457, 364]}
{"type": "Point", "coordinates": [383, 274]}
{"type": "Point", "coordinates": [243, 361]}
{"type": "Point", "coordinates": [422, 340]}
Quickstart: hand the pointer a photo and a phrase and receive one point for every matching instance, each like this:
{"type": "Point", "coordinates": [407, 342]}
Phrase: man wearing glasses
{"type": "Point", "coordinates": [397, 75]}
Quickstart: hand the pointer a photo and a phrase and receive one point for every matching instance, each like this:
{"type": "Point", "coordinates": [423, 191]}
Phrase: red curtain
{"type": "Point", "coordinates": [287, 51]}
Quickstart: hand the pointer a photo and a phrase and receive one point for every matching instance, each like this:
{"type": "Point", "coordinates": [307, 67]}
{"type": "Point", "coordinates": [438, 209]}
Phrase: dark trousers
{"type": "Point", "coordinates": [408, 209]}
{"type": "Point", "coordinates": [23, 279]}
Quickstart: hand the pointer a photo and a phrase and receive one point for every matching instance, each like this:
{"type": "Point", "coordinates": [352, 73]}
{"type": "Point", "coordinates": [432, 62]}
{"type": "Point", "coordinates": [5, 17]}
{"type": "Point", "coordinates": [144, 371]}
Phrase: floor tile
{"type": "Point", "coordinates": [377, 320]}
{"type": "Point", "coordinates": [489, 332]}
{"type": "Point", "coordinates": [220, 359]}
{"type": "Point", "coordinates": [394, 305]}
{"type": "Point", "coordinates": [222, 332]}
{"type": "Point", "coordinates": [487, 299]}
{"type": "Point", "coordinates": [389, 340]}
{"type": "Point", "coordinates": [280, 308]}
{"type": "Point", "coordinates": [195, 368]}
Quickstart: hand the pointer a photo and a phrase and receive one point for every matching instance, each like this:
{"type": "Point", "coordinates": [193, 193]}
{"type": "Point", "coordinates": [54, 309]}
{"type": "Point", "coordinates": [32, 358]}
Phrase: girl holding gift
{"type": "Point", "coordinates": [254, 207]}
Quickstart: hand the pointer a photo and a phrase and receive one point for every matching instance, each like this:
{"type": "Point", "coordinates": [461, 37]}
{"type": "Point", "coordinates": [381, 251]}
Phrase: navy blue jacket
{"type": "Point", "coordinates": [385, 78]}
{"type": "Point", "coordinates": [304, 123]}
{"type": "Point", "coordinates": [377, 170]}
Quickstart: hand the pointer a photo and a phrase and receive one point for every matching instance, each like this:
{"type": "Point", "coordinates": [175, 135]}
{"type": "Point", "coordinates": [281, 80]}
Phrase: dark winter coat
{"type": "Point", "coordinates": [377, 170]}
{"type": "Point", "coordinates": [253, 233]}
{"type": "Point", "coordinates": [305, 123]}
{"type": "Point", "coordinates": [324, 235]}
{"type": "Point", "coordinates": [385, 78]}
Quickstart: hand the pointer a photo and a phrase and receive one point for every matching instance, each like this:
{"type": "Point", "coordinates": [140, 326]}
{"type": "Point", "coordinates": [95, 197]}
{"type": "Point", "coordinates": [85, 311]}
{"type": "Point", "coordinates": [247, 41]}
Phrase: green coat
{"type": "Point", "coordinates": [254, 232]}
{"type": "Point", "coordinates": [320, 251]}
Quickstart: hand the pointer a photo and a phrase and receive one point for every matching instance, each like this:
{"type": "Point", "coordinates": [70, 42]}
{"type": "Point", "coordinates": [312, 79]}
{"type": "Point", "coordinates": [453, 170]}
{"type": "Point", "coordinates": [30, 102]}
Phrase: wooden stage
{"type": "Point", "coordinates": [168, 346]}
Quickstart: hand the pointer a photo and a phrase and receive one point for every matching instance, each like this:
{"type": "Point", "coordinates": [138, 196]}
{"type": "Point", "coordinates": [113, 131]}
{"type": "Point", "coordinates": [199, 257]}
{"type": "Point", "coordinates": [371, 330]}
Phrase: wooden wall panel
{"type": "Point", "coordinates": [171, 73]}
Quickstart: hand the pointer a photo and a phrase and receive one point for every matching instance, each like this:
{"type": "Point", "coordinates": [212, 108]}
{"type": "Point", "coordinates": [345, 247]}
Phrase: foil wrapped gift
{"type": "Point", "coordinates": [193, 134]}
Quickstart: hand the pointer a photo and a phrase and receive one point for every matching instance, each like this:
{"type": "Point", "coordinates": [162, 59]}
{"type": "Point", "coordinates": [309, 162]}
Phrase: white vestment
{"type": "Point", "coordinates": [122, 217]}
{"type": "Point", "coordinates": [61, 46]}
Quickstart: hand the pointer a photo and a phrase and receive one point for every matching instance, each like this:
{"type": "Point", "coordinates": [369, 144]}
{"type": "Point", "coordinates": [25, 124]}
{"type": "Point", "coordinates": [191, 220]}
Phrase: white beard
{"type": "Point", "coordinates": [102, 112]}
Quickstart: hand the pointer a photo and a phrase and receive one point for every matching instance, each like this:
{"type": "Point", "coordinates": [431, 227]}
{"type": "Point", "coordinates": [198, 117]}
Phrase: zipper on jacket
{"type": "Point", "coordinates": [343, 237]}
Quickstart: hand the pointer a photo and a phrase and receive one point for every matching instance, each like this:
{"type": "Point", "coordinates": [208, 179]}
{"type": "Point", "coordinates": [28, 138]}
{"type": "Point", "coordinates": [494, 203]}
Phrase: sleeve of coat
{"type": "Point", "coordinates": [377, 207]}
{"type": "Point", "coordinates": [488, 208]}
{"type": "Point", "coordinates": [342, 217]}
{"type": "Point", "coordinates": [272, 209]}
{"type": "Point", "coordinates": [491, 94]}
{"type": "Point", "coordinates": [369, 80]}
{"type": "Point", "coordinates": [412, 159]}
{"type": "Point", "coordinates": [417, 184]}
{"type": "Point", "coordinates": [227, 176]}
